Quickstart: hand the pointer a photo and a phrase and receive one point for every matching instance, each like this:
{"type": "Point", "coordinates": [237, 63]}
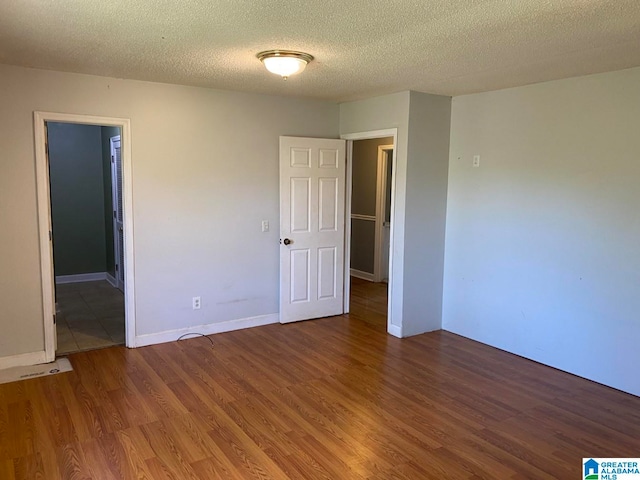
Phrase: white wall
{"type": "Point", "coordinates": [542, 240]}
{"type": "Point", "coordinates": [427, 170]}
{"type": "Point", "coordinates": [205, 174]}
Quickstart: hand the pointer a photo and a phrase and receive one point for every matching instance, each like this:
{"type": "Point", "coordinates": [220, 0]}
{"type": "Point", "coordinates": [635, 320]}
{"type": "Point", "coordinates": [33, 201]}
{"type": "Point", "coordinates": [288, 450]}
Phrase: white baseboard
{"type": "Point", "coordinates": [394, 330]}
{"type": "Point", "coordinates": [209, 329]}
{"type": "Point", "coordinates": [112, 280]}
{"type": "Point", "coordinates": [24, 359]}
{"type": "Point", "coordinates": [81, 277]}
{"type": "Point", "coordinates": [363, 275]}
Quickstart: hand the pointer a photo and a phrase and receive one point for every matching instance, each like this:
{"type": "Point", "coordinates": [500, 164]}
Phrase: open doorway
{"type": "Point", "coordinates": [370, 227]}
{"type": "Point", "coordinates": [85, 184]}
{"type": "Point", "coordinates": [92, 286]}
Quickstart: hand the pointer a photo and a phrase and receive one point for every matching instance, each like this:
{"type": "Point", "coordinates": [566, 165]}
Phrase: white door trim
{"type": "Point", "coordinates": [395, 274]}
{"type": "Point", "coordinates": [348, 191]}
{"type": "Point", "coordinates": [44, 220]}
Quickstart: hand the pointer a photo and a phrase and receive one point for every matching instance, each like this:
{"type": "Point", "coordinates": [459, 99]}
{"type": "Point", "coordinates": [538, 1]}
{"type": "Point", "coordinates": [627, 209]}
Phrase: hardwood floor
{"type": "Point", "coordinates": [369, 302]}
{"type": "Point", "coordinates": [335, 398]}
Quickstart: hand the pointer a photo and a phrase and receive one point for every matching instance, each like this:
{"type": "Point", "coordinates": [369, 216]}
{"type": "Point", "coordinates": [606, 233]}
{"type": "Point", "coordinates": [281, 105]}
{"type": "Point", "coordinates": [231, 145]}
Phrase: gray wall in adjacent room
{"type": "Point", "coordinates": [363, 234]}
{"type": "Point", "coordinates": [77, 198]}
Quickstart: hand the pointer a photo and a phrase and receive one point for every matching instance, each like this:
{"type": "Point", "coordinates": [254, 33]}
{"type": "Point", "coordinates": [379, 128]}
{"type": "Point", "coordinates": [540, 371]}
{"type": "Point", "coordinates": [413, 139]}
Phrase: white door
{"type": "Point", "coordinates": [312, 172]}
{"type": "Point", "coordinates": [118, 222]}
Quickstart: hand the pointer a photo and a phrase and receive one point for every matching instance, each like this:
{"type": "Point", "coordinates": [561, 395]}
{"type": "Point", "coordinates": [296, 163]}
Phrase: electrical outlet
{"type": "Point", "coordinates": [196, 303]}
{"type": "Point", "coordinates": [476, 160]}
{"type": "Point", "coordinates": [265, 225]}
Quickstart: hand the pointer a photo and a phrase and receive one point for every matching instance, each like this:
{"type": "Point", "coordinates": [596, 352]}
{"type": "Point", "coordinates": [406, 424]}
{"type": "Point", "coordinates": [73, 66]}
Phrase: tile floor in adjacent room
{"type": "Point", "coordinates": [90, 315]}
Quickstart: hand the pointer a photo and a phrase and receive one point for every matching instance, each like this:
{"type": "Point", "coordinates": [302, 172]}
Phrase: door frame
{"type": "Point", "coordinates": [44, 219]}
{"type": "Point", "coordinates": [119, 284]}
{"type": "Point", "coordinates": [381, 207]}
{"type": "Point", "coordinates": [394, 296]}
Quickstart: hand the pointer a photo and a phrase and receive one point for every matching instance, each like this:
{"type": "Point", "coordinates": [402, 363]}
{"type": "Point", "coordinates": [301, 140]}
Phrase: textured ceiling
{"type": "Point", "coordinates": [362, 47]}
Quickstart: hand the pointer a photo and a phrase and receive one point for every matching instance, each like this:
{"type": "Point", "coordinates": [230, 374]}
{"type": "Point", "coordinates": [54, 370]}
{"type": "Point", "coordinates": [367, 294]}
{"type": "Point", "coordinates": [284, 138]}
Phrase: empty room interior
{"type": "Point", "coordinates": [339, 241]}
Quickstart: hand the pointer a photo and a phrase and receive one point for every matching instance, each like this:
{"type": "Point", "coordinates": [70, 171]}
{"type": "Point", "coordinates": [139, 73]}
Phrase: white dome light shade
{"type": "Point", "coordinates": [284, 62]}
{"type": "Point", "coordinates": [284, 66]}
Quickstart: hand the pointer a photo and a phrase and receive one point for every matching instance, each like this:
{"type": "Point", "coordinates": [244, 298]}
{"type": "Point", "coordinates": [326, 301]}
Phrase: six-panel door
{"type": "Point", "coordinates": [312, 186]}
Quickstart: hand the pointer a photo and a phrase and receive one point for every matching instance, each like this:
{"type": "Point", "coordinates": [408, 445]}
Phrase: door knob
{"type": "Point", "coordinates": [286, 241]}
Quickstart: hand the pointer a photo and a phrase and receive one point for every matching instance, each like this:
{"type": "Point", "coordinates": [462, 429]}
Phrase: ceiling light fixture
{"type": "Point", "coordinates": [284, 62]}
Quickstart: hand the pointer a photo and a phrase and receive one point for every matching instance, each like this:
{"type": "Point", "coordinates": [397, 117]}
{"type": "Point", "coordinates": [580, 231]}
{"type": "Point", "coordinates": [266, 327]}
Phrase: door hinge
{"type": "Point", "coordinates": [50, 235]}
{"type": "Point", "coordinates": [46, 149]}
{"type": "Point", "coordinates": [54, 318]}
{"type": "Point", "coordinates": [113, 158]}
{"type": "Point", "coordinates": [114, 214]}
{"type": "Point", "coordinates": [116, 267]}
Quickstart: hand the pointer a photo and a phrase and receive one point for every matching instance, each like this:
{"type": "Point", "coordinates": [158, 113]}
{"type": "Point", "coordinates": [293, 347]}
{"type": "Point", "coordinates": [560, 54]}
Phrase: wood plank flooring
{"type": "Point", "coordinates": [334, 398]}
{"type": "Point", "coordinates": [369, 302]}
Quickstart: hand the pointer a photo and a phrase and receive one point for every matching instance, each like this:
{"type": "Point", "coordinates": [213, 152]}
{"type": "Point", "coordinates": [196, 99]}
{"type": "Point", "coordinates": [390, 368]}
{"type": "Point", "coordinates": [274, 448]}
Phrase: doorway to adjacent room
{"type": "Point", "coordinates": [370, 222]}
{"type": "Point", "coordinates": [85, 184]}
{"type": "Point", "coordinates": [85, 231]}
